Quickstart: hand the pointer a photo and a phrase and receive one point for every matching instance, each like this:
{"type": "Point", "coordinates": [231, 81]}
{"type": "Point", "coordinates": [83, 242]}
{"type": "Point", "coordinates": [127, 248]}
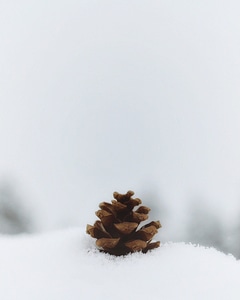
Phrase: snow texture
{"type": "Point", "coordinates": [66, 265]}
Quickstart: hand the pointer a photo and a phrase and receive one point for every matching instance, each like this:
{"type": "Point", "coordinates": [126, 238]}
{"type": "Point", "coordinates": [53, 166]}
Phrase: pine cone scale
{"type": "Point", "coordinates": [151, 246]}
{"type": "Point", "coordinates": [157, 224]}
{"type": "Point", "coordinates": [143, 210]}
{"type": "Point", "coordinates": [136, 245]}
{"type": "Point", "coordinates": [107, 243]}
{"type": "Point", "coordinates": [106, 218]}
{"type": "Point", "coordinates": [107, 207]}
{"type": "Point", "coordinates": [147, 233]}
{"type": "Point", "coordinates": [126, 227]}
{"type": "Point", "coordinates": [137, 217]}
{"type": "Point", "coordinates": [118, 206]}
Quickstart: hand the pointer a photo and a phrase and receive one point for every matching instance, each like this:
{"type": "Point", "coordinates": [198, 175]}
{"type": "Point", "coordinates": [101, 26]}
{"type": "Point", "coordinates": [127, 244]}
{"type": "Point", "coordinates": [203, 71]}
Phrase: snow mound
{"type": "Point", "coordinates": [65, 265]}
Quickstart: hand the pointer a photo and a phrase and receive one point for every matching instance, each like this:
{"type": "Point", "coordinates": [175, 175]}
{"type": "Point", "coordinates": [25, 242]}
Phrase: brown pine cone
{"type": "Point", "coordinates": [117, 231]}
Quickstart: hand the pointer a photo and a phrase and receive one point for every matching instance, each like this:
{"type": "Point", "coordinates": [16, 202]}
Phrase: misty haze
{"type": "Point", "coordinates": [104, 96]}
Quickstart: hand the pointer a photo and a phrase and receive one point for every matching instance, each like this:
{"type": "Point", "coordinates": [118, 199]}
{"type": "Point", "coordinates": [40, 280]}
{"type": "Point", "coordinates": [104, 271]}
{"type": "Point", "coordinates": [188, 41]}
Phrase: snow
{"type": "Point", "coordinates": [66, 265]}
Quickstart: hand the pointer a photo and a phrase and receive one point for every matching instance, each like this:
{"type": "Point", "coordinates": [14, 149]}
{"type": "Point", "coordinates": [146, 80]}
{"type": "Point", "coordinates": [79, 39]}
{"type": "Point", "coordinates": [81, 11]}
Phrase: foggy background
{"type": "Point", "coordinates": [98, 96]}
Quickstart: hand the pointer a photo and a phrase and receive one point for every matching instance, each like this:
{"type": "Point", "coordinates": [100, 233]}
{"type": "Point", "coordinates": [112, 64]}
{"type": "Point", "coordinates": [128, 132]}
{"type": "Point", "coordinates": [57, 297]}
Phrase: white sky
{"type": "Point", "coordinates": [97, 96]}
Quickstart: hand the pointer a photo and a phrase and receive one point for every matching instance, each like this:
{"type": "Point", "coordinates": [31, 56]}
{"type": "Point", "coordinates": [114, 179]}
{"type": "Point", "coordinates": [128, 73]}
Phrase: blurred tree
{"type": "Point", "coordinates": [205, 228]}
{"type": "Point", "coordinates": [236, 244]}
{"type": "Point", "coordinates": [13, 217]}
{"type": "Point", "coordinates": [233, 241]}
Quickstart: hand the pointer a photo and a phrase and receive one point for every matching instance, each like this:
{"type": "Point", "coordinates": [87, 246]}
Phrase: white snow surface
{"type": "Point", "coordinates": [65, 265]}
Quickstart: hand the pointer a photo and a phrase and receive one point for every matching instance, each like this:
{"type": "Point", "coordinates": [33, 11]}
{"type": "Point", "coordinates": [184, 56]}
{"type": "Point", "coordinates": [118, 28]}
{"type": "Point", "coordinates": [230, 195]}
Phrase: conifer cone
{"type": "Point", "coordinates": [117, 230]}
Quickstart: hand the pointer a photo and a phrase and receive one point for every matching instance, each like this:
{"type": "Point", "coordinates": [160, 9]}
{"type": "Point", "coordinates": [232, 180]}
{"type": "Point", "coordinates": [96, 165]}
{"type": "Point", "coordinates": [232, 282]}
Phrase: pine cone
{"type": "Point", "coordinates": [117, 232]}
